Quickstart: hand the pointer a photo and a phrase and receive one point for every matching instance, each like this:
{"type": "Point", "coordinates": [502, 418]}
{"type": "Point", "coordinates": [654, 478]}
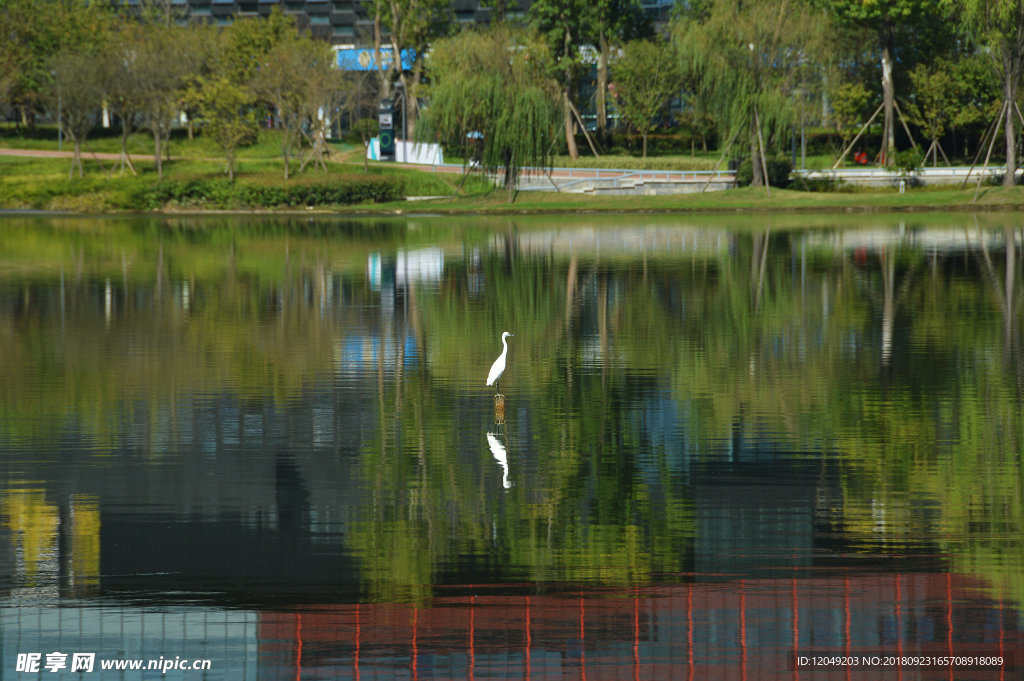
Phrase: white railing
{"type": "Point", "coordinates": [570, 178]}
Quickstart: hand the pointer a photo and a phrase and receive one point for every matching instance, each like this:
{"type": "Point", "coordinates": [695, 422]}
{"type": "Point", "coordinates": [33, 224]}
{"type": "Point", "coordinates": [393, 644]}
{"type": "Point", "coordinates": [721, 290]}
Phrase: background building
{"type": "Point", "coordinates": [342, 22]}
{"type": "Point", "coordinates": [349, 22]}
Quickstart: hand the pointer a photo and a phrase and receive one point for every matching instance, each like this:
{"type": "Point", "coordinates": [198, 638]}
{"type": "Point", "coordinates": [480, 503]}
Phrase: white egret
{"type": "Point", "coordinates": [501, 456]}
{"type": "Point", "coordinates": [498, 368]}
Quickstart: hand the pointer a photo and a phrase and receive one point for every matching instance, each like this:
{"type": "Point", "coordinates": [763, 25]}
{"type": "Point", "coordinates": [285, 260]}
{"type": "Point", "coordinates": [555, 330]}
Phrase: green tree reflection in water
{"type": "Point", "coordinates": [580, 513]}
{"type": "Point", "coordinates": [889, 351]}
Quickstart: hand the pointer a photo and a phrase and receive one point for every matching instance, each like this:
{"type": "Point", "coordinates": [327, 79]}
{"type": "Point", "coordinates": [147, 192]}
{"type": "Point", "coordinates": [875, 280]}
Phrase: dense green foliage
{"type": "Point", "coordinates": [779, 169]}
{"type": "Point", "coordinates": [648, 76]}
{"type": "Point", "coordinates": [492, 101]}
{"type": "Point", "coordinates": [998, 25]}
{"type": "Point", "coordinates": [227, 194]}
{"type": "Point", "coordinates": [747, 62]}
{"type": "Point", "coordinates": [757, 75]}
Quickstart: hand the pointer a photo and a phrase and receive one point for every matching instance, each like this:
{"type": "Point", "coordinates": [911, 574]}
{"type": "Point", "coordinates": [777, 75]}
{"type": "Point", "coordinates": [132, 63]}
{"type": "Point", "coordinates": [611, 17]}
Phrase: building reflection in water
{"type": "Point", "coordinates": [704, 628]}
{"type": "Point", "coordinates": [218, 518]}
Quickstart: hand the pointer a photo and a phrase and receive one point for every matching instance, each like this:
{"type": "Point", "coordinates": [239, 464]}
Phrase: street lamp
{"type": "Point", "coordinates": [60, 117]}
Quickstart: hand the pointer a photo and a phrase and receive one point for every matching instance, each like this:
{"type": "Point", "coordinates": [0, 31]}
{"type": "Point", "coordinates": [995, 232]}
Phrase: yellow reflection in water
{"type": "Point", "coordinates": [34, 523]}
{"type": "Point", "coordinates": [85, 542]}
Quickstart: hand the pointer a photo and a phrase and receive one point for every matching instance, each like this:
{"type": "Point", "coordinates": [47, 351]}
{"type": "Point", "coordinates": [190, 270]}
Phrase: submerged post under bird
{"type": "Point", "coordinates": [498, 368]}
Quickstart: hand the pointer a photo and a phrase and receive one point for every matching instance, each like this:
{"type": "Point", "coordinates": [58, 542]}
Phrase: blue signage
{"type": "Point", "coordinates": [363, 58]}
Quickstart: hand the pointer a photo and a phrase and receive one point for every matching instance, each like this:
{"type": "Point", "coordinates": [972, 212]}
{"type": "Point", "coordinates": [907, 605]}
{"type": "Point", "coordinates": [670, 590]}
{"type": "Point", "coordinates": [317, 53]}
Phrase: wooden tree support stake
{"type": "Point", "coordinates": [991, 131]}
{"type": "Point", "coordinates": [1004, 110]}
{"type": "Point", "coordinates": [715, 169]}
{"type": "Point", "coordinates": [850, 146]}
{"type": "Point", "coordinates": [583, 127]}
{"type": "Point", "coordinates": [760, 148]}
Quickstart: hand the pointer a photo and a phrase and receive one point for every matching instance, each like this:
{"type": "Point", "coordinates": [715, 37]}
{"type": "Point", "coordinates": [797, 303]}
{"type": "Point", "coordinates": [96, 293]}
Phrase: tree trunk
{"type": "Point", "coordinates": [888, 150]}
{"type": "Point", "coordinates": [644, 153]}
{"type": "Point", "coordinates": [757, 178]}
{"type": "Point", "coordinates": [383, 79]}
{"type": "Point", "coordinates": [1011, 74]}
{"type": "Point", "coordinates": [411, 102]}
{"type": "Point", "coordinates": [76, 159]}
{"type": "Point", "coordinates": [570, 136]}
{"type": "Point", "coordinates": [602, 88]}
{"type": "Point", "coordinates": [126, 160]}
{"type": "Point", "coordinates": [158, 155]}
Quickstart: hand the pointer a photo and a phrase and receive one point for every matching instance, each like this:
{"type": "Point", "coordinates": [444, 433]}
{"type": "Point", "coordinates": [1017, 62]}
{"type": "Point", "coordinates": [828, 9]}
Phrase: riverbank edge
{"type": "Point", "coordinates": [746, 200]}
{"type": "Point", "coordinates": [438, 211]}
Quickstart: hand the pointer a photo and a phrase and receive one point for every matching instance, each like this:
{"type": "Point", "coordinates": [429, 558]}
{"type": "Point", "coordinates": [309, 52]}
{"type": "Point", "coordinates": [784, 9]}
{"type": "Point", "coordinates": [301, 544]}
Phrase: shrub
{"type": "Point", "coordinates": [827, 183]}
{"type": "Point", "coordinates": [909, 160]}
{"type": "Point", "coordinates": [222, 193]}
{"type": "Point", "coordinates": [779, 168]}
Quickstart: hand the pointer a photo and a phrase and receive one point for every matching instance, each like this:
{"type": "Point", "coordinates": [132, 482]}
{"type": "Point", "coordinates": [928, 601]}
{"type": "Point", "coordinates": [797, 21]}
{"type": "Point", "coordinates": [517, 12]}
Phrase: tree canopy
{"type": "Point", "coordinates": [999, 26]}
{"type": "Point", "coordinates": [746, 61]}
{"type": "Point", "coordinates": [491, 89]}
{"type": "Point", "coordinates": [647, 76]}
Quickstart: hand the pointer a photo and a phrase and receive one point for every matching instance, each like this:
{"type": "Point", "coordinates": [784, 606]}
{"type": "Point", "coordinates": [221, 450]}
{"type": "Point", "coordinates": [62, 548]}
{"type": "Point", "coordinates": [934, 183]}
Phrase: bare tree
{"type": "Point", "coordinates": [323, 86]}
{"type": "Point", "coordinates": [280, 83]}
{"type": "Point", "coordinates": [122, 84]}
{"type": "Point", "coordinates": [76, 96]}
{"type": "Point", "coordinates": [160, 77]}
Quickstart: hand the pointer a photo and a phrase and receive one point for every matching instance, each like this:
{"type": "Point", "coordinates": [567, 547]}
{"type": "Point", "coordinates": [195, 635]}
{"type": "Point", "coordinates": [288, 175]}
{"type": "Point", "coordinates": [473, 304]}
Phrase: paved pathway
{"type": "Point", "coordinates": [47, 153]}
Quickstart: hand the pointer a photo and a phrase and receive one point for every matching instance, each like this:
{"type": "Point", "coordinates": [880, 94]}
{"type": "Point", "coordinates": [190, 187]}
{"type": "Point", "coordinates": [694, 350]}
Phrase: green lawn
{"type": "Point", "coordinates": [42, 183]}
{"type": "Point", "coordinates": [748, 199]}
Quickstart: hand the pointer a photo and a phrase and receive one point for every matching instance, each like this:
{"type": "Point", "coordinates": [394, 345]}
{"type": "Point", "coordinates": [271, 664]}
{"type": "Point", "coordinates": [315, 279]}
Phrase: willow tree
{"type": "Point", "coordinates": [999, 26]}
{"type": "Point", "coordinates": [491, 88]}
{"type": "Point", "coordinates": [746, 61]}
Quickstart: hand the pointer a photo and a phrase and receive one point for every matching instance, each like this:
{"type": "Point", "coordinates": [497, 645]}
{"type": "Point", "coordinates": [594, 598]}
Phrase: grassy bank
{"type": "Point", "coordinates": [43, 184]}
{"type": "Point", "coordinates": [746, 199]}
{"type": "Point", "coordinates": [194, 180]}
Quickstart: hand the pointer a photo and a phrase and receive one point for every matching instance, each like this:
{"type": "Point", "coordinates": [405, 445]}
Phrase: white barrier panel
{"type": "Point", "coordinates": [409, 152]}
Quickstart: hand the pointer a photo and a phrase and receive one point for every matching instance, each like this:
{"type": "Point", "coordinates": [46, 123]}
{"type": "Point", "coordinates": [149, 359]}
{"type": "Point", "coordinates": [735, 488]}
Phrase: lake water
{"type": "Point", "coordinates": [764, 447]}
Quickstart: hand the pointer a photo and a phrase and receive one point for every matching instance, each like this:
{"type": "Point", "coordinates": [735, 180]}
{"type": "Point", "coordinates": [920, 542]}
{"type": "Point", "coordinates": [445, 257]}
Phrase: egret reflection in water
{"type": "Point", "coordinates": [501, 456]}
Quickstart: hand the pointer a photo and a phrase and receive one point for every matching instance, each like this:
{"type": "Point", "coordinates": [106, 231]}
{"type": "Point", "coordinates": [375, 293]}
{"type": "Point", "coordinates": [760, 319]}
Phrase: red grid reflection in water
{"type": "Point", "coordinates": [748, 629]}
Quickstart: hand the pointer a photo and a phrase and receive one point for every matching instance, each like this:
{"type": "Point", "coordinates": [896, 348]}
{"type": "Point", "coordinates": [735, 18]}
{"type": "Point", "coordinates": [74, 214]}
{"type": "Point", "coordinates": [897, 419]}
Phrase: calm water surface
{"type": "Point", "coordinates": [726, 444]}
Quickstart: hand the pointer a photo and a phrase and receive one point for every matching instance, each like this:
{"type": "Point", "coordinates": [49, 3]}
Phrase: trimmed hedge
{"type": "Point", "coordinates": [222, 193]}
